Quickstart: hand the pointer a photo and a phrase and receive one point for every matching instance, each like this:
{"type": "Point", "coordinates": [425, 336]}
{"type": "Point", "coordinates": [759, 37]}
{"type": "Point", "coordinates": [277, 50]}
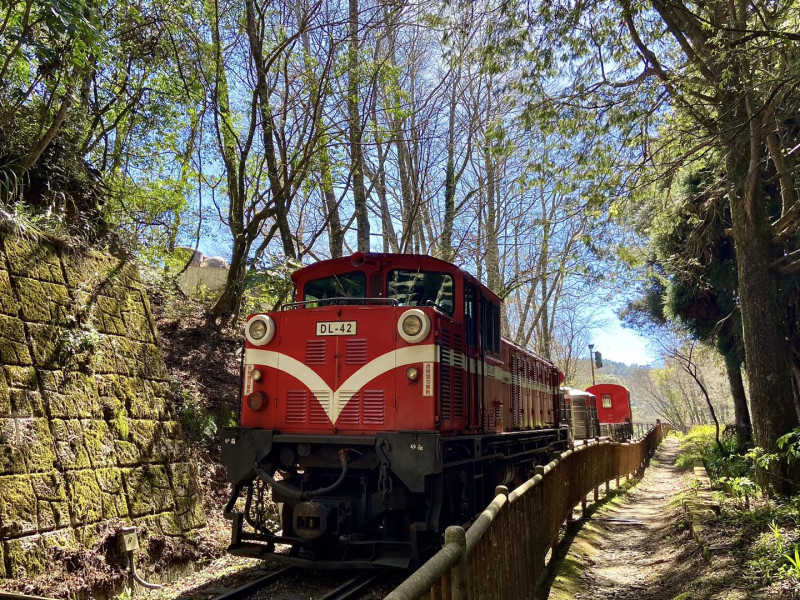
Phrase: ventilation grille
{"type": "Point", "coordinates": [356, 352]}
{"type": "Point", "coordinates": [315, 352]}
{"type": "Point", "coordinates": [364, 408]}
{"type": "Point", "coordinates": [296, 405]}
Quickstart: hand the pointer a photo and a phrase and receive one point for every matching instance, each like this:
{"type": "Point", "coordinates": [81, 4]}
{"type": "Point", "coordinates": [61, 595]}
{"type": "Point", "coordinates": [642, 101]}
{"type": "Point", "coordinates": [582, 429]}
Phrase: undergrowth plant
{"type": "Point", "coordinates": [768, 526]}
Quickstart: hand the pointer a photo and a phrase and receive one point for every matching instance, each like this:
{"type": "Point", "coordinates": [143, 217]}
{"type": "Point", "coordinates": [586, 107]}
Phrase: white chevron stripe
{"type": "Point", "coordinates": [376, 367]}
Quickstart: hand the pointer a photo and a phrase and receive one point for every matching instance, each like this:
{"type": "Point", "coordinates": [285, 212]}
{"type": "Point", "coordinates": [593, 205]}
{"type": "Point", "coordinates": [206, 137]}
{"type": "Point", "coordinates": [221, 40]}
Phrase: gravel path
{"type": "Point", "coordinates": [636, 547]}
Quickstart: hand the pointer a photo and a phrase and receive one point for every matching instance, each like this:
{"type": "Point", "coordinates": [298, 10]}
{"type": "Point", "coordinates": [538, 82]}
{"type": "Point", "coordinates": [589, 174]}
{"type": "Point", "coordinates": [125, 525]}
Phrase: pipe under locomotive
{"type": "Point", "coordinates": [378, 408]}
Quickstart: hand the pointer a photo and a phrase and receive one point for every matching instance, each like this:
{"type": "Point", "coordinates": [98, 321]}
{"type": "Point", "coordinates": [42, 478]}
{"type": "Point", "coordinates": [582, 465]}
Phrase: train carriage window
{"type": "Point", "coordinates": [421, 288]}
{"type": "Point", "coordinates": [606, 400]}
{"type": "Point", "coordinates": [339, 285]}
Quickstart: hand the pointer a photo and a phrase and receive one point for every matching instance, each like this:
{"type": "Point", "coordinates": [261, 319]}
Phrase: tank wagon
{"type": "Point", "coordinates": [379, 407]}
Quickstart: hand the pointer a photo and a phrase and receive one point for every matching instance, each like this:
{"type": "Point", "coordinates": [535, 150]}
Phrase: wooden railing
{"type": "Point", "coordinates": [502, 555]}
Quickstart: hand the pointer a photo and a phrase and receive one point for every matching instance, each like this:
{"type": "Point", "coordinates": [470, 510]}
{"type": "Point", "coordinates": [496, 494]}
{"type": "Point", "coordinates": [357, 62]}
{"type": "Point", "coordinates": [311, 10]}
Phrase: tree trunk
{"type": "Point", "coordinates": [744, 428]}
{"type": "Point", "coordinates": [356, 151]}
{"type": "Point", "coordinates": [771, 393]}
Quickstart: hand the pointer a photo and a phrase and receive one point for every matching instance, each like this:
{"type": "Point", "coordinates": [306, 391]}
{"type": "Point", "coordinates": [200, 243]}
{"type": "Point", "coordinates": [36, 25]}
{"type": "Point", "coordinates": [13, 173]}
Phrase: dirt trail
{"type": "Point", "coordinates": [635, 547]}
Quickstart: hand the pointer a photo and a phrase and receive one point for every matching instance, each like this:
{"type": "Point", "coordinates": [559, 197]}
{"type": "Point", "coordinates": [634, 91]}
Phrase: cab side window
{"type": "Point", "coordinates": [491, 326]}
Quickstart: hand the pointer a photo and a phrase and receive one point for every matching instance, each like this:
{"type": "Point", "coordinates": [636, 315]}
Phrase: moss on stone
{"type": "Point", "coordinates": [42, 301]}
{"type": "Point", "coordinates": [127, 453]}
{"type": "Point", "coordinates": [25, 557]}
{"type": "Point", "coordinates": [184, 479]}
{"type": "Point", "coordinates": [12, 453]}
{"type": "Point", "coordinates": [71, 395]}
{"type": "Point", "coordinates": [22, 377]}
{"type": "Point", "coordinates": [68, 437]}
{"type": "Point", "coordinates": [149, 490]}
{"type": "Point", "coordinates": [148, 436]}
{"type": "Point", "coordinates": [51, 500]}
{"type": "Point", "coordinates": [85, 497]}
{"type": "Point", "coordinates": [13, 345]}
{"type": "Point", "coordinates": [8, 303]}
{"type": "Point", "coordinates": [45, 340]}
{"type": "Point", "coordinates": [5, 396]}
{"type": "Point", "coordinates": [138, 327]}
{"type": "Point", "coordinates": [112, 493]}
{"type": "Point", "coordinates": [99, 443]}
{"type": "Point", "coordinates": [35, 436]}
{"type": "Point", "coordinates": [17, 506]}
{"type": "Point", "coordinates": [190, 513]}
{"type": "Point", "coordinates": [38, 260]}
{"type": "Point", "coordinates": [164, 524]}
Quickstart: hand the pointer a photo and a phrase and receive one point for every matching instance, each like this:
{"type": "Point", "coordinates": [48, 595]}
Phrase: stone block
{"type": "Point", "coordinates": [43, 302]}
{"type": "Point", "coordinates": [26, 403]}
{"type": "Point", "coordinates": [177, 446]}
{"type": "Point", "coordinates": [13, 345]}
{"type": "Point", "coordinates": [161, 524]}
{"type": "Point", "coordinates": [71, 394]}
{"type": "Point", "coordinates": [184, 479]}
{"type": "Point", "coordinates": [190, 513]}
{"type": "Point", "coordinates": [151, 440]}
{"type": "Point", "coordinates": [12, 453]}
{"type": "Point", "coordinates": [138, 327]}
{"type": "Point", "coordinates": [149, 362]}
{"type": "Point", "coordinates": [8, 303]}
{"type": "Point", "coordinates": [34, 259]}
{"type": "Point", "coordinates": [127, 453]}
{"type": "Point", "coordinates": [22, 377]}
{"type": "Point", "coordinates": [113, 493]}
{"type": "Point", "coordinates": [33, 434]}
{"type": "Point", "coordinates": [50, 491]}
{"type": "Point", "coordinates": [34, 555]}
{"type": "Point", "coordinates": [149, 490]}
{"type": "Point", "coordinates": [24, 557]}
{"type": "Point", "coordinates": [71, 451]}
{"type": "Point", "coordinates": [45, 345]}
{"type": "Point", "coordinates": [85, 497]}
{"type": "Point", "coordinates": [17, 506]}
{"type": "Point", "coordinates": [108, 316]}
{"type": "Point", "coordinates": [99, 443]}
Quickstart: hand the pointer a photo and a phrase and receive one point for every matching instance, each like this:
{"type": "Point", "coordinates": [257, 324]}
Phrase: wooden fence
{"type": "Point", "coordinates": [502, 555]}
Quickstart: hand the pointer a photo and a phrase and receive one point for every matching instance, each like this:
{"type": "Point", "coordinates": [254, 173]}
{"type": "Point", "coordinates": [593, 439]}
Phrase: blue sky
{"type": "Point", "coordinates": [620, 344]}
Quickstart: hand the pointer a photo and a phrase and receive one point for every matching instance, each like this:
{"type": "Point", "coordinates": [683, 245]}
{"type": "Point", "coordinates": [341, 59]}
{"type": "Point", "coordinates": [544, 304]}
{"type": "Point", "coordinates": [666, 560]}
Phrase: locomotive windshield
{"type": "Point", "coordinates": [342, 285]}
{"type": "Point", "coordinates": [421, 288]}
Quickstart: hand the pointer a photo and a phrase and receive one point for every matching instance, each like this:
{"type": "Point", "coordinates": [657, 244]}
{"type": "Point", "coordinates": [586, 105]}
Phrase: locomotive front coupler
{"type": "Point", "coordinates": [291, 492]}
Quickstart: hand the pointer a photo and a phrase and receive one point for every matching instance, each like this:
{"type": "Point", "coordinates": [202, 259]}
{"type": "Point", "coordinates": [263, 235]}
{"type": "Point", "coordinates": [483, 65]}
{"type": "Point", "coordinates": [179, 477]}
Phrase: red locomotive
{"type": "Point", "coordinates": [613, 410]}
{"type": "Point", "coordinates": [379, 407]}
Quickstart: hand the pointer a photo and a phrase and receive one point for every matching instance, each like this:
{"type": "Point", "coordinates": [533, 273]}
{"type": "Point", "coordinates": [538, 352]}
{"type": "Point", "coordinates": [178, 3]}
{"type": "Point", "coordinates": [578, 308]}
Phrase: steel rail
{"type": "Point", "coordinates": [350, 589]}
{"type": "Point", "coordinates": [254, 586]}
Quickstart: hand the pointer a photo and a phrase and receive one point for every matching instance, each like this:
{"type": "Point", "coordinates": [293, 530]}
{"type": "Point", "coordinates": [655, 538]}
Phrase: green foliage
{"type": "Point", "coordinates": [198, 424]}
{"type": "Point", "coordinates": [789, 444]}
{"type": "Point", "coordinates": [794, 561]}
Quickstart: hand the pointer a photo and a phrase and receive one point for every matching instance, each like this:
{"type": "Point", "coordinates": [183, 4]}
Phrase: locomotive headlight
{"type": "Point", "coordinates": [412, 373]}
{"type": "Point", "coordinates": [256, 401]}
{"type": "Point", "coordinates": [255, 374]}
{"type": "Point", "coordinates": [413, 326]}
{"type": "Point", "coordinates": [260, 330]}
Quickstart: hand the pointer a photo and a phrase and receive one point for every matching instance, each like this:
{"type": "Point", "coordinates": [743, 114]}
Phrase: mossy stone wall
{"type": "Point", "coordinates": [87, 431]}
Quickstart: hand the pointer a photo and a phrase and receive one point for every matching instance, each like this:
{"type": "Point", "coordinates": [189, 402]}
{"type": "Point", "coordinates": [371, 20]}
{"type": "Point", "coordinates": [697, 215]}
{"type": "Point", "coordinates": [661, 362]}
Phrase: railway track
{"type": "Point", "coordinates": [350, 589]}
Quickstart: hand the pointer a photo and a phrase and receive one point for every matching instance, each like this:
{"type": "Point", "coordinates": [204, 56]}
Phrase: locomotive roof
{"type": "Point", "coordinates": [363, 260]}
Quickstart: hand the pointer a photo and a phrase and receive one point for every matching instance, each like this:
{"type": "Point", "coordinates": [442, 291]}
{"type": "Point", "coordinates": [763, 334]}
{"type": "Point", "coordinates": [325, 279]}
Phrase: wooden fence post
{"type": "Point", "coordinates": [458, 574]}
